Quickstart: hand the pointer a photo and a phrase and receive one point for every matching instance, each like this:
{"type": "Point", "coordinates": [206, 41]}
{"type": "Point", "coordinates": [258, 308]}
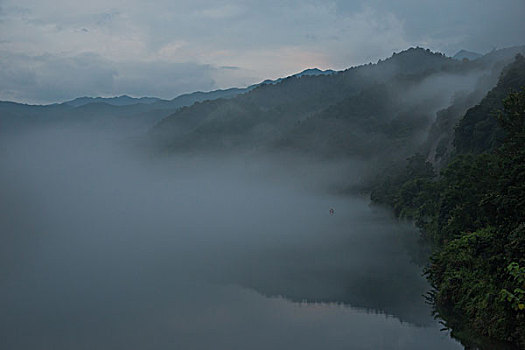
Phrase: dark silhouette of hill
{"type": "Point", "coordinates": [138, 114]}
{"type": "Point", "coordinates": [478, 131]}
{"type": "Point", "coordinates": [365, 111]}
{"type": "Point", "coordinates": [440, 142]}
{"type": "Point", "coordinates": [123, 100]}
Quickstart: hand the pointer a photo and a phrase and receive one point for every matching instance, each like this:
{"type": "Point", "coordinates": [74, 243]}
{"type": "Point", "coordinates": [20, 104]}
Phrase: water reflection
{"type": "Point", "coordinates": [366, 265]}
{"type": "Point", "coordinates": [102, 251]}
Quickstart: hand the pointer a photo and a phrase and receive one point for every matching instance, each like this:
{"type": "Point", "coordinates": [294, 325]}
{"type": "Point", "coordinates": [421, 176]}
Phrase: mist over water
{"type": "Point", "coordinates": [104, 248]}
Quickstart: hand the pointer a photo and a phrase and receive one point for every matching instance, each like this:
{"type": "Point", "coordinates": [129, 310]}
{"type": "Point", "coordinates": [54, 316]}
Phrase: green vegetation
{"type": "Point", "coordinates": [478, 131]}
{"type": "Point", "coordinates": [474, 212]}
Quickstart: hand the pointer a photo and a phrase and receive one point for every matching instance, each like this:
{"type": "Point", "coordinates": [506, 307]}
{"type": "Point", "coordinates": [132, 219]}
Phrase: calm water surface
{"type": "Point", "coordinates": [103, 251]}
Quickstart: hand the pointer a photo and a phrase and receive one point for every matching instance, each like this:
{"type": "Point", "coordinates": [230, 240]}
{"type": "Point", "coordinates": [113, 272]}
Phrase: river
{"type": "Point", "coordinates": [104, 250]}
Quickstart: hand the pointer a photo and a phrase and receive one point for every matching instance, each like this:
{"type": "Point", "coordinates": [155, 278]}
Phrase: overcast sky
{"type": "Point", "coordinates": [60, 49]}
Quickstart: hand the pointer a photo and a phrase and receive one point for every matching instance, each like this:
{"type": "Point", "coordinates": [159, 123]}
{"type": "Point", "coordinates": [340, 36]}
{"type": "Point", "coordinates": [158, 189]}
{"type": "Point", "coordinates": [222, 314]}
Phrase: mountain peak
{"type": "Point", "coordinates": [314, 71]}
{"type": "Point", "coordinates": [416, 51]}
{"type": "Point", "coordinates": [413, 60]}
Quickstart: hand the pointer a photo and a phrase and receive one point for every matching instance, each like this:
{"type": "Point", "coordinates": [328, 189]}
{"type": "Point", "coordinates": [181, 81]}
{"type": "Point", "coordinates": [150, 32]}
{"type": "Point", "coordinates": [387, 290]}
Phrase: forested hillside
{"type": "Point", "coordinates": [474, 212]}
{"type": "Point", "coordinates": [363, 112]}
{"type": "Point", "coordinates": [478, 131]}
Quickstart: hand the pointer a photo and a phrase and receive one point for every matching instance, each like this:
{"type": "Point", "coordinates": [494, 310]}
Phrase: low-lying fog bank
{"type": "Point", "coordinates": [100, 248]}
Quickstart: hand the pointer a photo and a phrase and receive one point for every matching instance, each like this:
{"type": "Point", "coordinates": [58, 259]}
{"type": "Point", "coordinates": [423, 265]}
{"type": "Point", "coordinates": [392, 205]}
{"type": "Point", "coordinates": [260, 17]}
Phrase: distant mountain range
{"type": "Point", "coordinates": [123, 100]}
{"type": "Point", "coordinates": [185, 99]}
{"type": "Point", "coordinates": [135, 114]}
{"type": "Point", "coordinates": [364, 111]}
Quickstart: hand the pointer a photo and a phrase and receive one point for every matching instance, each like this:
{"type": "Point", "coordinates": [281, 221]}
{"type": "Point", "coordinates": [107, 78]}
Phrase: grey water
{"type": "Point", "coordinates": [101, 248]}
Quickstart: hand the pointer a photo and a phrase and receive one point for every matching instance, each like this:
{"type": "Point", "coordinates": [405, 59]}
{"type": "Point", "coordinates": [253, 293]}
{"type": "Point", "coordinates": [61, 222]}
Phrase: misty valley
{"type": "Point", "coordinates": [324, 210]}
{"type": "Point", "coordinates": [106, 250]}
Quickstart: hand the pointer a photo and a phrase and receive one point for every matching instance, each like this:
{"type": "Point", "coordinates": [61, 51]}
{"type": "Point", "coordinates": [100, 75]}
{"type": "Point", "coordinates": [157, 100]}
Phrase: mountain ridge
{"type": "Point", "coordinates": [295, 100]}
{"type": "Point", "coordinates": [186, 98]}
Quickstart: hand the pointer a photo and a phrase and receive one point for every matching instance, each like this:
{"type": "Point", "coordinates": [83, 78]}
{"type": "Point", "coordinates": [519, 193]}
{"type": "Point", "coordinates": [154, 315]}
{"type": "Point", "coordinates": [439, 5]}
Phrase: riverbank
{"type": "Point", "coordinates": [474, 213]}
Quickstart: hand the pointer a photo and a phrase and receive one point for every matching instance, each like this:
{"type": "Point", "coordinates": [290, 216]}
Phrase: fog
{"type": "Point", "coordinates": [437, 91]}
{"type": "Point", "coordinates": [104, 247]}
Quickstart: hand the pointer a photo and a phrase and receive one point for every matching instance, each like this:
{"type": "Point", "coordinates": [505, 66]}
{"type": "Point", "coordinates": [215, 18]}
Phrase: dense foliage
{"type": "Point", "coordinates": [474, 212]}
{"type": "Point", "coordinates": [478, 131]}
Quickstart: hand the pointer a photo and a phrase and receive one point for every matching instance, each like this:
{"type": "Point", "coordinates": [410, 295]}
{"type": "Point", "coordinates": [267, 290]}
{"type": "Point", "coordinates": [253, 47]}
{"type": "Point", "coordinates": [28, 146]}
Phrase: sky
{"type": "Point", "coordinates": [56, 50]}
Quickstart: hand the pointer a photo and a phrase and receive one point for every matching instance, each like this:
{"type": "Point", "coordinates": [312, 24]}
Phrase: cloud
{"type": "Point", "coordinates": [450, 25]}
{"type": "Point", "coordinates": [49, 78]}
{"type": "Point", "coordinates": [264, 39]}
{"type": "Point", "coordinates": [371, 34]}
{"type": "Point", "coordinates": [164, 79]}
{"type": "Point", "coordinates": [225, 11]}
